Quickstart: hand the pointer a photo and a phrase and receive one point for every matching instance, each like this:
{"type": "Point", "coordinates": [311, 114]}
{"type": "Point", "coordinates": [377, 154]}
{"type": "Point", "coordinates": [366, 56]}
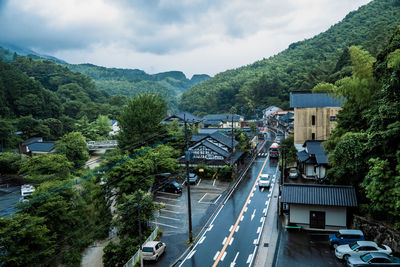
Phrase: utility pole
{"type": "Point", "coordinates": [187, 158]}
{"type": "Point", "coordinates": [140, 230]}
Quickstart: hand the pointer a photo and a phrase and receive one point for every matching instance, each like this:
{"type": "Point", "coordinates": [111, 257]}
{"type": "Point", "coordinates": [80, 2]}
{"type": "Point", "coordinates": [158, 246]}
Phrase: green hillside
{"type": "Point", "coordinates": [131, 82]}
{"type": "Point", "coordinates": [301, 66]}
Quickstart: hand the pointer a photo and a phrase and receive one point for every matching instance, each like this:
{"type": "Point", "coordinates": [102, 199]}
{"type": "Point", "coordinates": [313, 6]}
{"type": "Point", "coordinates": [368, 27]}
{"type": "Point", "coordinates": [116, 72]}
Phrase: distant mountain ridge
{"type": "Point", "coordinates": [301, 66]}
{"type": "Point", "coordinates": [128, 82]}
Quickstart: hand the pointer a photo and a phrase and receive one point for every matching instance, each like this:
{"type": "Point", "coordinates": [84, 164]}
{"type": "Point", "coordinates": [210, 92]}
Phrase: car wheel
{"type": "Point", "coordinates": [345, 257]}
{"type": "Point", "coordinates": [334, 245]}
{"type": "Point", "coordinates": [157, 258]}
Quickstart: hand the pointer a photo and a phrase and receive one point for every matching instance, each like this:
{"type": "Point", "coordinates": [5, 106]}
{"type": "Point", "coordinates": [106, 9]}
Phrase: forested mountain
{"type": "Point", "coordinates": [301, 66]}
{"type": "Point", "coordinates": [131, 82]}
{"type": "Point", "coordinates": [8, 53]}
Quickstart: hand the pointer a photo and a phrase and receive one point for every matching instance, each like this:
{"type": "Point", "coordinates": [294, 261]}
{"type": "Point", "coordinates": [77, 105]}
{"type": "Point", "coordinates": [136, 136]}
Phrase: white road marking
{"type": "Point", "coordinates": [202, 239]}
{"type": "Point", "coordinates": [266, 202]}
{"type": "Point", "coordinates": [167, 204]}
{"type": "Point", "coordinates": [237, 229]}
{"type": "Point", "coordinates": [230, 228]}
{"type": "Point", "coordinates": [241, 219]}
{"type": "Point", "coordinates": [265, 210]}
{"type": "Point", "coordinates": [255, 241]}
{"type": "Point", "coordinates": [191, 254]}
{"type": "Point", "coordinates": [199, 182]}
{"type": "Point", "coordinates": [217, 199]}
{"type": "Point", "coordinates": [269, 195]}
{"type": "Point", "coordinates": [252, 258]}
{"type": "Point", "coordinates": [168, 218]}
{"type": "Point", "coordinates": [262, 189]}
{"type": "Point", "coordinates": [249, 258]}
{"type": "Point", "coordinates": [202, 197]}
{"type": "Point", "coordinates": [223, 256]}
{"type": "Point", "coordinates": [210, 227]}
{"type": "Point", "coordinates": [252, 215]}
{"type": "Point", "coordinates": [230, 241]}
{"type": "Point", "coordinates": [262, 219]}
{"type": "Point", "coordinates": [233, 263]}
{"type": "Point", "coordinates": [163, 224]}
{"type": "Point", "coordinates": [163, 210]}
{"type": "Point", "coordinates": [248, 202]}
{"type": "Point", "coordinates": [252, 194]}
{"type": "Point", "coordinates": [216, 255]}
{"type": "Point", "coordinates": [166, 198]}
{"type": "Point", "coordinates": [223, 242]}
{"type": "Point", "coordinates": [258, 229]}
{"type": "Point", "coordinates": [214, 182]}
{"type": "Point", "coordinates": [245, 209]}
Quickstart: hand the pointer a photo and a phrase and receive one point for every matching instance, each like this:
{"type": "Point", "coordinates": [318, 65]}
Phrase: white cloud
{"type": "Point", "coordinates": [196, 36]}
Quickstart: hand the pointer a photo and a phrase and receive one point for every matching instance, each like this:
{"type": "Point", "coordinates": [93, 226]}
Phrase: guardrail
{"type": "Point", "coordinates": [136, 258]}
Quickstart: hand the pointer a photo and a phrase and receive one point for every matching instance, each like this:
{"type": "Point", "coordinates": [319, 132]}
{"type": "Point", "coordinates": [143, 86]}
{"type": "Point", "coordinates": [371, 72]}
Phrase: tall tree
{"type": "Point", "coordinates": [73, 146]}
{"type": "Point", "coordinates": [140, 121]}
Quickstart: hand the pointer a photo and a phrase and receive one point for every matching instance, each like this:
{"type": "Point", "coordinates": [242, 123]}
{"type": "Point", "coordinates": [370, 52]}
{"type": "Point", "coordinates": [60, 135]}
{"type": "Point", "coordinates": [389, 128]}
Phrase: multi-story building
{"type": "Point", "coordinates": [314, 116]}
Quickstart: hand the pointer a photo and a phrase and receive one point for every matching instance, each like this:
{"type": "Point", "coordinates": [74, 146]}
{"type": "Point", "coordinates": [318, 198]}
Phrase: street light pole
{"type": "Point", "coordinates": [187, 158]}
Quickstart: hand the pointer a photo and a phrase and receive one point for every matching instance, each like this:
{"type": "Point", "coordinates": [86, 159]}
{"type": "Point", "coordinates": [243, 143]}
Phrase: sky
{"type": "Point", "coordinates": [193, 36]}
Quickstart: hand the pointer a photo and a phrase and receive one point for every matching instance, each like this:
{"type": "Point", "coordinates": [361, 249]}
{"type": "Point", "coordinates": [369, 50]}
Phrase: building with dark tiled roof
{"type": "Point", "coordinates": [317, 205]}
{"type": "Point", "coordinates": [313, 160]}
{"type": "Point", "coordinates": [314, 115]}
{"type": "Point", "coordinates": [223, 120]}
{"type": "Point", "coordinates": [181, 117]}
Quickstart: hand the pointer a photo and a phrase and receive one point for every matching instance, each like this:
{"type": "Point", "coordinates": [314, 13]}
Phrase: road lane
{"type": "Point", "coordinates": [232, 234]}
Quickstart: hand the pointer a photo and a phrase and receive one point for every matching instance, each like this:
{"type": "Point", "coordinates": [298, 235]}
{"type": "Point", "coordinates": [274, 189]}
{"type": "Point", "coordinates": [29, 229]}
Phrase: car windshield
{"type": "Point", "coordinates": [264, 178]}
{"type": "Point", "coordinates": [147, 249]}
{"type": "Point", "coordinates": [191, 175]}
{"type": "Point", "coordinates": [366, 257]}
{"type": "Point", "coordinates": [354, 245]}
{"type": "Point", "coordinates": [175, 183]}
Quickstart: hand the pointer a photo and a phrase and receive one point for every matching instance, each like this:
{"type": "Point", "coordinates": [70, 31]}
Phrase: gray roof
{"type": "Point", "coordinates": [224, 139]}
{"type": "Point", "coordinates": [198, 137]}
{"type": "Point", "coordinates": [324, 195]}
{"type": "Point", "coordinates": [41, 146]}
{"type": "Point", "coordinates": [32, 140]}
{"type": "Point", "coordinates": [308, 100]}
{"type": "Point", "coordinates": [222, 117]}
{"type": "Point", "coordinates": [215, 148]}
{"type": "Point", "coordinates": [270, 110]}
{"type": "Point", "coordinates": [302, 156]}
{"type": "Point", "coordinates": [184, 116]}
{"type": "Point", "coordinates": [314, 148]}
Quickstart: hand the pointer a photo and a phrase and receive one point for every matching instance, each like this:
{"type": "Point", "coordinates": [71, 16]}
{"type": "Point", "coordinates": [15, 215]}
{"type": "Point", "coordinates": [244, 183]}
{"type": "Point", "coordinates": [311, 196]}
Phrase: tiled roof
{"type": "Point", "coordinates": [224, 139]}
{"type": "Point", "coordinates": [324, 195]}
{"type": "Point", "coordinates": [314, 148]}
{"type": "Point", "coordinates": [198, 137]}
{"type": "Point", "coordinates": [182, 116]}
{"type": "Point", "coordinates": [222, 117]}
{"type": "Point", "coordinates": [215, 148]}
{"type": "Point", "coordinates": [302, 156]}
{"type": "Point", "coordinates": [32, 140]}
{"type": "Point", "coordinates": [313, 101]}
{"type": "Point", "coordinates": [41, 146]}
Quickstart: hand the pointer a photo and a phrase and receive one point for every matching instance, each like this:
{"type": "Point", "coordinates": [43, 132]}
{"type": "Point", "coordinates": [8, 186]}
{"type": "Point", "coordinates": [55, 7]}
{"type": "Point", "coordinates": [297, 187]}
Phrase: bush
{"type": "Point", "coordinates": [225, 174]}
{"type": "Point", "coordinates": [10, 162]}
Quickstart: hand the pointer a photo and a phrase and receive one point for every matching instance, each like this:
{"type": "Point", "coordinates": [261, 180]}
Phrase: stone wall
{"type": "Point", "coordinates": [378, 232]}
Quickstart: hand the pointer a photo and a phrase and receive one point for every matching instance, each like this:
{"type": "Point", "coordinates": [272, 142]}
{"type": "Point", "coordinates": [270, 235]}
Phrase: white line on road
{"type": "Point", "coordinates": [157, 223]}
{"type": "Point", "coordinates": [237, 229]}
{"type": "Point", "coordinates": [262, 219]}
{"type": "Point", "coordinates": [248, 202]}
{"type": "Point", "coordinates": [216, 255]}
{"type": "Point", "coordinates": [249, 258]}
{"type": "Point", "coordinates": [233, 263]}
{"type": "Point", "coordinates": [258, 229]}
{"type": "Point", "coordinates": [245, 209]}
{"type": "Point", "coordinates": [262, 189]}
{"type": "Point", "coordinates": [230, 241]}
{"type": "Point", "coordinates": [163, 210]}
{"type": "Point", "coordinates": [202, 197]}
{"type": "Point", "coordinates": [223, 242]}
{"type": "Point", "coordinates": [230, 228]}
{"type": "Point", "coordinates": [191, 254]}
{"type": "Point", "coordinates": [167, 204]}
{"type": "Point", "coordinates": [202, 239]}
{"type": "Point", "coordinates": [223, 256]}
{"type": "Point", "coordinates": [214, 182]}
{"type": "Point", "coordinates": [210, 227]}
{"type": "Point", "coordinates": [168, 218]}
{"type": "Point", "coordinates": [252, 215]}
{"type": "Point", "coordinates": [266, 202]}
{"type": "Point", "coordinates": [255, 241]}
{"type": "Point", "coordinates": [241, 219]}
{"type": "Point", "coordinates": [252, 194]}
{"type": "Point", "coordinates": [217, 199]}
{"type": "Point", "coordinates": [166, 198]}
{"type": "Point", "coordinates": [254, 253]}
{"type": "Point", "coordinates": [264, 210]}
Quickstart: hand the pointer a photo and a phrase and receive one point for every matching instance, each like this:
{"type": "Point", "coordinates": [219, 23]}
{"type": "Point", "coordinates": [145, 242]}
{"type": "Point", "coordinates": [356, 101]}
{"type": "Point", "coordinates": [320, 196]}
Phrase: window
{"type": "Point", "coordinates": [313, 120]}
{"type": "Point", "coordinates": [333, 118]}
{"type": "Point", "coordinates": [313, 136]}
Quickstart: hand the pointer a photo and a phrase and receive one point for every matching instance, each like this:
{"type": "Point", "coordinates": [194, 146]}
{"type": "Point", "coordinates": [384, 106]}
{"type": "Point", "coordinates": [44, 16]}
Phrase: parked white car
{"type": "Point", "coordinates": [359, 248]}
{"type": "Point", "coordinates": [152, 250]}
{"type": "Point", "coordinates": [264, 181]}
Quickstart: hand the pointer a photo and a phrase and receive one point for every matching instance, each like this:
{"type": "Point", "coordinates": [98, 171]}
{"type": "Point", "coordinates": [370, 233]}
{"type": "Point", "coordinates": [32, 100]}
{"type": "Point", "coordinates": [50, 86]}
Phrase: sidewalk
{"type": "Point", "coordinates": [268, 241]}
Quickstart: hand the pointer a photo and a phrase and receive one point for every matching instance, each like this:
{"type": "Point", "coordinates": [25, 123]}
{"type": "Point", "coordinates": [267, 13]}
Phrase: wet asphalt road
{"type": "Point", "coordinates": [231, 238]}
{"type": "Point", "coordinates": [9, 199]}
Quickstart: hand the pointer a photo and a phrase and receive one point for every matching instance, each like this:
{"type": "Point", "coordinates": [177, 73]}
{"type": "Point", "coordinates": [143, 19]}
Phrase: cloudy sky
{"type": "Point", "coordinates": [194, 36]}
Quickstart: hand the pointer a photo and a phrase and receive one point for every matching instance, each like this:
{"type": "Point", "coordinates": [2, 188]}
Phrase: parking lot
{"type": "Point", "coordinates": [301, 248]}
{"type": "Point", "coordinates": [173, 217]}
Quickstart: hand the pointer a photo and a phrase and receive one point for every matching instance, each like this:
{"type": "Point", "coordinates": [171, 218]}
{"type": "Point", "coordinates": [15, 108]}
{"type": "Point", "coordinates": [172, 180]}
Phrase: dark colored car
{"type": "Point", "coordinates": [373, 259]}
{"type": "Point", "coordinates": [193, 178]}
{"type": "Point", "coordinates": [346, 236]}
{"type": "Point", "coordinates": [171, 187]}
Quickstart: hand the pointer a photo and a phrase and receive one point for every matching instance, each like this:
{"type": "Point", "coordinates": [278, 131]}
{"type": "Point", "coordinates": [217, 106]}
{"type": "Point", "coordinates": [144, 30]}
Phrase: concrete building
{"type": "Point", "coordinates": [318, 206]}
{"type": "Point", "coordinates": [314, 116]}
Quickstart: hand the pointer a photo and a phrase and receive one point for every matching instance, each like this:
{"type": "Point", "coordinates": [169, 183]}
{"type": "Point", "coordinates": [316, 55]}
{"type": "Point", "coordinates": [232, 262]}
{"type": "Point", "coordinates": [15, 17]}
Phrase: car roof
{"type": "Point", "coordinates": [264, 175]}
{"type": "Point", "coordinates": [151, 243]}
{"type": "Point", "coordinates": [350, 232]}
{"type": "Point", "coordinates": [367, 243]}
